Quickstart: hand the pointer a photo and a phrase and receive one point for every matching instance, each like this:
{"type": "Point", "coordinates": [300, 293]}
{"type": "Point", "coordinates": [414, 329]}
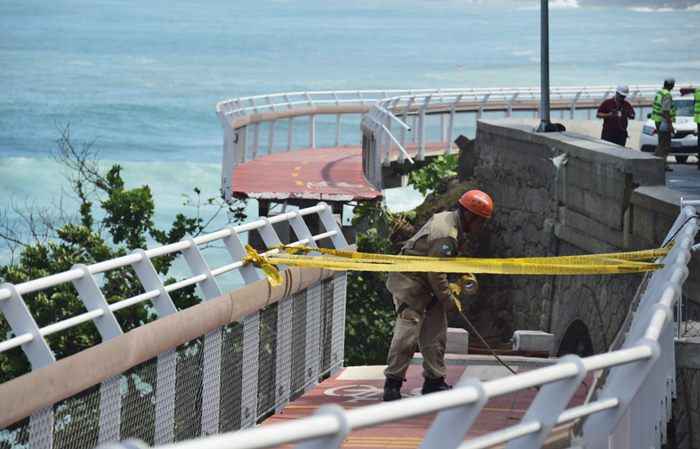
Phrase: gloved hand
{"type": "Point", "coordinates": [466, 284]}
{"type": "Point", "coordinates": [470, 285]}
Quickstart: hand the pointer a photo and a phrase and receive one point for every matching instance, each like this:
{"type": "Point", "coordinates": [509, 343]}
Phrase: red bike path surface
{"type": "Point", "coordinates": [350, 389]}
{"type": "Point", "coordinates": [324, 174]}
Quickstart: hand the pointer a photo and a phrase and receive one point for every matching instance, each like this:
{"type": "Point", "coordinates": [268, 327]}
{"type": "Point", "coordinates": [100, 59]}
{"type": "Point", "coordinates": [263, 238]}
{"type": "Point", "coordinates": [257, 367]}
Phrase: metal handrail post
{"type": "Point", "coordinates": [623, 383]}
{"type": "Point", "coordinates": [21, 322]}
{"type": "Point", "coordinates": [451, 426]}
{"type": "Point", "coordinates": [334, 440]}
{"type": "Point", "coordinates": [549, 403]}
{"type": "Point", "coordinates": [93, 299]}
{"type": "Point", "coordinates": [211, 364]}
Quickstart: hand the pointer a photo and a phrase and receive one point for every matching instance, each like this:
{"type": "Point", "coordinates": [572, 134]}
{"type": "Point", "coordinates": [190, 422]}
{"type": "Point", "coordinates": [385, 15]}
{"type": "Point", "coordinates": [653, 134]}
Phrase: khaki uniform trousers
{"type": "Point", "coordinates": [427, 329]}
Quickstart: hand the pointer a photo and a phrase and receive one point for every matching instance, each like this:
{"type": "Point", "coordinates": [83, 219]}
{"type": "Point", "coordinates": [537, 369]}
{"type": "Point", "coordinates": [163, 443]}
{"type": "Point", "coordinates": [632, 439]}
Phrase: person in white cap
{"type": "Point", "coordinates": [616, 112]}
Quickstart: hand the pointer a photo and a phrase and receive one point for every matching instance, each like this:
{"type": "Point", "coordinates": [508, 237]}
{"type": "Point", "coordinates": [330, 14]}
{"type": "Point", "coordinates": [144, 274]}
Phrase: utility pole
{"type": "Point", "coordinates": [545, 123]}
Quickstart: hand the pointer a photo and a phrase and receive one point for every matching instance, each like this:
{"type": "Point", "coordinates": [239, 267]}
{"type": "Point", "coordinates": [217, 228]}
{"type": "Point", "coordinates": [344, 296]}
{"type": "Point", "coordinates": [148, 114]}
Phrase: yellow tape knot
{"type": "Point", "coordinates": [260, 261]}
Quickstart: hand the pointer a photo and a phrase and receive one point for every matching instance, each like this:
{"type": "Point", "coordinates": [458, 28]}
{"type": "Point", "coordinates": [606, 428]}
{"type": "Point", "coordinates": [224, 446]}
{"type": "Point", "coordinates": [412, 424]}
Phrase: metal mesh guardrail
{"type": "Point", "coordinates": [225, 379]}
{"type": "Point", "coordinates": [166, 400]}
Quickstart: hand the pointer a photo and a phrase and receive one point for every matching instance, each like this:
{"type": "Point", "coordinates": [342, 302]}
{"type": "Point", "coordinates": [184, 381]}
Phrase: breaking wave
{"type": "Point", "coordinates": [649, 9]}
{"type": "Point", "coordinates": [563, 4]}
{"type": "Point", "coordinates": [555, 4]}
{"type": "Point", "coordinates": [695, 7]}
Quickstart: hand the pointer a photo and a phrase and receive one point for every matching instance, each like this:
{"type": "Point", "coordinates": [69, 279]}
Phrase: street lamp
{"type": "Point", "coordinates": [545, 123]}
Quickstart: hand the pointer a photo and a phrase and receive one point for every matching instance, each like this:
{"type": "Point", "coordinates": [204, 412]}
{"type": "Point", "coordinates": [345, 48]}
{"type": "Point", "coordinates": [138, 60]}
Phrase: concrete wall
{"type": "Point", "coordinates": [590, 128]}
{"type": "Point", "coordinates": [567, 193]}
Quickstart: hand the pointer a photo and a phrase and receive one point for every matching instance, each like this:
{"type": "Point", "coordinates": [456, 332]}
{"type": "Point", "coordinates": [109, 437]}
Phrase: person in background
{"type": "Point", "coordinates": [616, 112]}
{"type": "Point", "coordinates": [696, 91]}
{"type": "Point", "coordinates": [663, 113]}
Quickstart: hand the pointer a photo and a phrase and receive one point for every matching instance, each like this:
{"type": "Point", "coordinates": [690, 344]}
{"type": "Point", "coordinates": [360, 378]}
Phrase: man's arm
{"type": "Point", "coordinates": [630, 111]}
{"type": "Point", "coordinates": [687, 90]}
{"type": "Point", "coordinates": [603, 110]}
{"type": "Point", "coordinates": [446, 247]}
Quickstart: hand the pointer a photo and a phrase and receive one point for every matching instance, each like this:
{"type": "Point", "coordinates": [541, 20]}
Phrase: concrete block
{"type": "Point", "coordinates": [582, 241]}
{"type": "Point", "coordinates": [605, 180]}
{"type": "Point", "coordinates": [650, 224]}
{"type": "Point", "coordinates": [457, 341]}
{"type": "Point", "coordinates": [658, 198]}
{"type": "Point", "coordinates": [643, 223]}
{"type": "Point", "coordinates": [600, 208]}
{"type": "Point", "coordinates": [533, 341]}
{"type": "Point", "coordinates": [591, 227]}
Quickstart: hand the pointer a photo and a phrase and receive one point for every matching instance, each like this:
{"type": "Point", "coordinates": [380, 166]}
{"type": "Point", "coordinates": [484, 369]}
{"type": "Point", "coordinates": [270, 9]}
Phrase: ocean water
{"type": "Point", "coordinates": [141, 79]}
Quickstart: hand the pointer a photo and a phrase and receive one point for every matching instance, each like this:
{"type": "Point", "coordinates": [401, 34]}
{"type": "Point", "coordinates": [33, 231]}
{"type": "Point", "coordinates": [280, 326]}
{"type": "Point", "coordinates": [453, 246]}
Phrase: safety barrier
{"type": "Point", "coordinates": [216, 366]}
{"type": "Point", "coordinates": [294, 114]}
{"type": "Point", "coordinates": [32, 338]}
{"type": "Point", "coordinates": [630, 407]}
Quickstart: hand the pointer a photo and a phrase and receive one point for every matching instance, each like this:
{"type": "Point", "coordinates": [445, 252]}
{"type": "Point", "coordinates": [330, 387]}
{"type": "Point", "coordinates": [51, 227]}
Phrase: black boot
{"type": "Point", "coordinates": [433, 385]}
{"type": "Point", "coordinates": [392, 389]}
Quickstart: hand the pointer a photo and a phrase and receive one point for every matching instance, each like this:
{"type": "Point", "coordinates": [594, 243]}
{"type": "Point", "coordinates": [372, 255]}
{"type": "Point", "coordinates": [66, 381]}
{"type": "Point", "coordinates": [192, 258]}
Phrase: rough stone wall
{"type": "Point", "coordinates": [551, 193]}
{"type": "Point", "coordinates": [600, 302]}
{"type": "Point", "coordinates": [562, 194]}
{"type": "Point", "coordinates": [521, 180]}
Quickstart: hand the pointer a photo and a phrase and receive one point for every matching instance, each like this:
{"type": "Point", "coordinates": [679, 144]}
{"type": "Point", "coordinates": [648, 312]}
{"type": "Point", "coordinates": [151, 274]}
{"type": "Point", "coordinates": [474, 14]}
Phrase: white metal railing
{"type": "Point", "coordinates": [31, 337]}
{"type": "Point", "coordinates": [243, 119]}
{"type": "Point", "coordinates": [638, 388]}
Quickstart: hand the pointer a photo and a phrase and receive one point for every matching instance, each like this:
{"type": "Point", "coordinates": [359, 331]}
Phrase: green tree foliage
{"type": "Point", "coordinates": [433, 176]}
{"type": "Point", "coordinates": [125, 223]}
{"type": "Point", "coordinates": [370, 311]}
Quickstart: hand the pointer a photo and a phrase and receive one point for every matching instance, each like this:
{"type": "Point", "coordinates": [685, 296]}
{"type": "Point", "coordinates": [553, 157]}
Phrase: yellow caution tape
{"type": "Point", "coordinates": [262, 262]}
{"type": "Point", "coordinates": [330, 259]}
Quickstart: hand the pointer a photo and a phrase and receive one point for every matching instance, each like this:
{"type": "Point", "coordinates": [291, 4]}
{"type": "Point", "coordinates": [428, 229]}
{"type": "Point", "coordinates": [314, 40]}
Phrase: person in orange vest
{"type": "Point", "coordinates": [422, 300]}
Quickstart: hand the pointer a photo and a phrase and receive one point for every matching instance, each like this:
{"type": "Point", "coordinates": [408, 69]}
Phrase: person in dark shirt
{"type": "Point", "coordinates": [615, 113]}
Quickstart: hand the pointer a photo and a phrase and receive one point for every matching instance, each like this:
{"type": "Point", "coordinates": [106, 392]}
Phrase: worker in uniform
{"type": "Point", "coordinates": [422, 300]}
{"type": "Point", "coordinates": [663, 113]}
{"type": "Point", "coordinates": [696, 91]}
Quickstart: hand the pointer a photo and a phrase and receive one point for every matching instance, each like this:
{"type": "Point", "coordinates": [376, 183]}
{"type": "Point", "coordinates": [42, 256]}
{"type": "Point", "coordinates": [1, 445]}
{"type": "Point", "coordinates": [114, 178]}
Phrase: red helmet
{"type": "Point", "coordinates": [477, 202]}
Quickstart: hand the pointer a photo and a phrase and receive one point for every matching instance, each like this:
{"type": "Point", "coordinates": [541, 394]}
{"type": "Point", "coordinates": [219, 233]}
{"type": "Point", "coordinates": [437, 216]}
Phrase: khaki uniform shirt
{"type": "Point", "coordinates": [441, 236]}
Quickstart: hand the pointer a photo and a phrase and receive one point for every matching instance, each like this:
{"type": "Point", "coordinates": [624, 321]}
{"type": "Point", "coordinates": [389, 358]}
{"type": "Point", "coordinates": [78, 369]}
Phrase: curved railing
{"type": "Point", "coordinates": [259, 125]}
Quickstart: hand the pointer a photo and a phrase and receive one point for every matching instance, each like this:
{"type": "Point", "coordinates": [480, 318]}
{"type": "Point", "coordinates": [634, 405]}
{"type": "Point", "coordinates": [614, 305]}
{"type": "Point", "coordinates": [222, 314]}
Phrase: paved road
{"type": "Point", "coordinates": [685, 178]}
